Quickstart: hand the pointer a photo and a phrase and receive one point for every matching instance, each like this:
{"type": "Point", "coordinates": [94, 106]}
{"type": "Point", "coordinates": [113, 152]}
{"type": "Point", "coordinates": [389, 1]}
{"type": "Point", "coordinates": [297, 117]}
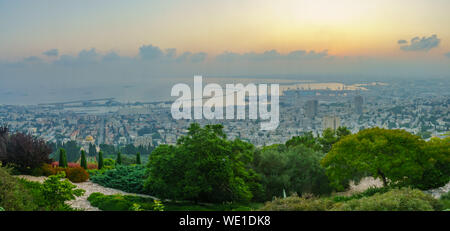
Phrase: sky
{"type": "Point", "coordinates": [61, 43]}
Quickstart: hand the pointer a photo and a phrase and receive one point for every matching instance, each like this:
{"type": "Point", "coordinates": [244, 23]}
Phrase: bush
{"type": "Point", "coordinates": [92, 166]}
{"type": "Point", "coordinates": [404, 199]}
{"type": "Point", "coordinates": [119, 202]}
{"type": "Point", "coordinates": [77, 174]}
{"type": "Point", "coordinates": [367, 193]}
{"type": "Point", "coordinates": [23, 152]}
{"type": "Point", "coordinates": [48, 170]}
{"type": "Point", "coordinates": [62, 158]}
{"type": "Point", "coordinates": [13, 195]}
{"type": "Point", "coordinates": [296, 203]}
{"type": "Point", "coordinates": [445, 200]}
{"type": "Point", "coordinates": [56, 191]}
{"type": "Point", "coordinates": [127, 178]}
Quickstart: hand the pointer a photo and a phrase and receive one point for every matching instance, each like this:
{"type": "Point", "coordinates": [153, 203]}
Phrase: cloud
{"type": "Point", "coordinates": [422, 44]}
{"type": "Point", "coordinates": [402, 41]}
{"type": "Point", "coordinates": [32, 59]}
{"type": "Point", "coordinates": [83, 57]}
{"type": "Point", "coordinates": [447, 55]}
{"type": "Point", "coordinates": [111, 56]}
{"type": "Point", "coordinates": [198, 57]}
{"type": "Point", "coordinates": [271, 55]}
{"type": "Point", "coordinates": [150, 52]}
{"type": "Point", "coordinates": [51, 53]}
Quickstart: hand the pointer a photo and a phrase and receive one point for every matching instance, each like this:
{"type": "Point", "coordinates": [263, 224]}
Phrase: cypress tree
{"type": "Point", "coordinates": [119, 158]}
{"type": "Point", "coordinates": [62, 158]}
{"type": "Point", "coordinates": [83, 159]}
{"type": "Point", "coordinates": [100, 160]}
{"type": "Point", "coordinates": [138, 158]}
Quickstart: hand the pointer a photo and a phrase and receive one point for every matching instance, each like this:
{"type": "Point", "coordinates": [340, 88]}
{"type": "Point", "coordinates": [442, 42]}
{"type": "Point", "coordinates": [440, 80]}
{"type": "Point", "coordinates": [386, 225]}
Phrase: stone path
{"type": "Point", "coordinates": [89, 187]}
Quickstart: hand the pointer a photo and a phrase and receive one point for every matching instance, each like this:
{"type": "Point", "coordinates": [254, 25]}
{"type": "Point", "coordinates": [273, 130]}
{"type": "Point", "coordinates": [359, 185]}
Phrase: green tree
{"type": "Point", "coordinates": [100, 160]}
{"type": "Point", "coordinates": [138, 158]}
{"type": "Point", "coordinates": [92, 150]}
{"type": "Point", "coordinates": [295, 169]}
{"type": "Point", "coordinates": [203, 166]}
{"type": "Point", "coordinates": [62, 158]}
{"type": "Point", "coordinates": [119, 158]}
{"type": "Point", "coordinates": [83, 162]}
{"type": "Point", "coordinates": [328, 139]}
{"type": "Point", "coordinates": [72, 151]}
{"type": "Point", "coordinates": [394, 156]}
{"type": "Point", "coordinates": [57, 191]}
{"type": "Point", "coordinates": [306, 139]}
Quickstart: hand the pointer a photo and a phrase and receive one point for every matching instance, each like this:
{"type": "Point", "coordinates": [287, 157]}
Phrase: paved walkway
{"type": "Point", "coordinates": [89, 187]}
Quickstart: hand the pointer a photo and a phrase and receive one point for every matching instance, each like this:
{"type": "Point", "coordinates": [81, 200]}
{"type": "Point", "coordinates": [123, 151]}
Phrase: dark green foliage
{"type": "Point", "coordinates": [119, 158]}
{"type": "Point", "coordinates": [72, 151]}
{"type": "Point", "coordinates": [138, 158]}
{"type": "Point", "coordinates": [100, 160]}
{"type": "Point", "coordinates": [62, 158]}
{"type": "Point", "coordinates": [83, 162]}
{"type": "Point", "coordinates": [203, 166]}
{"type": "Point", "coordinates": [437, 171]}
{"type": "Point", "coordinates": [295, 169]}
{"type": "Point", "coordinates": [107, 148]}
{"type": "Point", "coordinates": [127, 178]}
{"type": "Point", "coordinates": [92, 150]}
{"type": "Point", "coordinates": [307, 140]}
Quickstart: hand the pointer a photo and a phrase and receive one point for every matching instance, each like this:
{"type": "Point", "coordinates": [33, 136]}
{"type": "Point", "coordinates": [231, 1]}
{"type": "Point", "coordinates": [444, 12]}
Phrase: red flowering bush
{"type": "Point", "coordinates": [76, 174]}
{"type": "Point", "coordinates": [92, 166]}
{"type": "Point", "coordinates": [73, 165]}
{"type": "Point", "coordinates": [48, 170]}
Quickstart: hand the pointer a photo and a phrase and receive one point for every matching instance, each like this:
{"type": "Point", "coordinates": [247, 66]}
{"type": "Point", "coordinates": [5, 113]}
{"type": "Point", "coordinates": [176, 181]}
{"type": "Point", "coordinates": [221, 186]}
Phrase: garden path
{"type": "Point", "coordinates": [90, 187]}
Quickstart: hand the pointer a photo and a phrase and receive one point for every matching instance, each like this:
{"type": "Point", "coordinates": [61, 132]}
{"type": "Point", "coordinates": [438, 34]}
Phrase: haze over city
{"type": "Point", "coordinates": [52, 50]}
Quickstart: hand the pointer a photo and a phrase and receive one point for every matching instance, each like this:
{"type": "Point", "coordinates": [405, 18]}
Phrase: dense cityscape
{"type": "Point", "coordinates": [421, 108]}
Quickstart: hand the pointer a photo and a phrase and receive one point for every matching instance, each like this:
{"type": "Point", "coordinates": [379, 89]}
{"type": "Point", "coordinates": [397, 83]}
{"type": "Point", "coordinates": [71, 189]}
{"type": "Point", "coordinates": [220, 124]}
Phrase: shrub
{"type": "Point", "coordinates": [83, 162]}
{"type": "Point", "coordinates": [119, 202]}
{"type": "Point", "coordinates": [367, 193]}
{"type": "Point", "coordinates": [296, 203]}
{"type": "Point", "coordinates": [138, 158]}
{"type": "Point", "coordinates": [23, 152]}
{"type": "Point", "coordinates": [100, 160]}
{"type": "Point", "coordinates": [119, 158]}
{"type": "Point", "coordinates": [56, 191]}
{"type": "Point", "coordinates": [127, 178]}
{"type": "Point", "coordinates": [13, 195]}
{"type": "Point", "coordinates": [73, 165]}
{"type": "Point", "coordinates": [48, 170]}
{"type": "Point", "coordinates": [404, 199]}
{"type": "Point", "coordinates": [62, 158]}
{"type": "Point", "coordinates": [77, 174]}
{"type": "Point", "coordinates": [92, 166]}
{"type": "Point", "coordinates": [445, 200]}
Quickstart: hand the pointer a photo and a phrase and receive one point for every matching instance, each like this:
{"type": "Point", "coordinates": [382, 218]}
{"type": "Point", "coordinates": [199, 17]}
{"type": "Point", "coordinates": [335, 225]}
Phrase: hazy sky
{"type": "Point", "coordinates": [109, 40]}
